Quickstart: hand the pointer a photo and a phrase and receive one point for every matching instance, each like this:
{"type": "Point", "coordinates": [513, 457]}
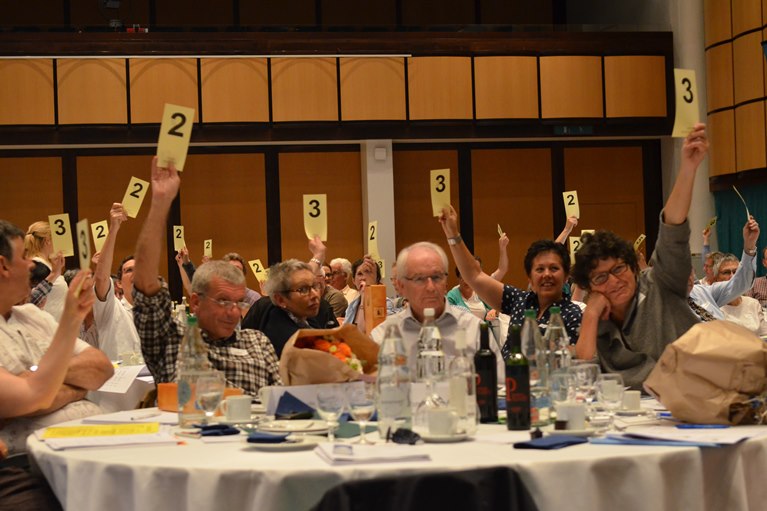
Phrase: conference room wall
{"type": "Point", "coordinates": [31, 190]}
{"type": "Point", "coordinates": [102, 181]}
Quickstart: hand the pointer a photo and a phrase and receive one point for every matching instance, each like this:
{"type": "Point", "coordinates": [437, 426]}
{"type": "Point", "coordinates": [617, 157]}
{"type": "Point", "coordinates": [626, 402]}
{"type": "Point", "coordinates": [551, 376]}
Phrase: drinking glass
{"type": "Point", "coordinates": [209, 390]}
{"type": "Point", "coordinates": [585, 376]}
{"type": "Point", "coordinates": [562, 387]}
{"type": "Point", "coordinates": [609, 391]}
{"type": "Point", "coordinates": [362, 406]}
{"type": "Point", "coordinates": [330, 406]}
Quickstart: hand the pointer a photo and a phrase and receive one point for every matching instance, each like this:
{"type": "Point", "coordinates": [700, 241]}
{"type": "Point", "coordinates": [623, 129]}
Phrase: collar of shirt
{"type": "Point", "coordinates": [450, 314]}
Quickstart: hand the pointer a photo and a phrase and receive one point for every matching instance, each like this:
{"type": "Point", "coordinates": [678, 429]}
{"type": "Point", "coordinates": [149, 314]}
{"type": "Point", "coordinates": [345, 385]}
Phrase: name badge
{"type": "Point", "coordinates": [238, 352]}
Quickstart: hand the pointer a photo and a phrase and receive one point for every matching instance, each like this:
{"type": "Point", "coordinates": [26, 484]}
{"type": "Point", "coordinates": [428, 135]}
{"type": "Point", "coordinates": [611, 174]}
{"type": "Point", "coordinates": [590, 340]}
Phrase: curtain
{"type": "Point", "coordinates": [732, 216]}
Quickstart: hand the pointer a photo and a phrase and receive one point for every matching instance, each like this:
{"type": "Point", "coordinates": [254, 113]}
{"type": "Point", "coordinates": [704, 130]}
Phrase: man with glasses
{"type": "Point", "coordinates": [330, 294]}
{"type": "Point", "coordinates": [340, 271]}
{"type": "Point", "coordinates": [245, 356]}
{"type": "Point", "coordinates": [294, 302]}
{"type": "Point", "coordinates": [422, 280]}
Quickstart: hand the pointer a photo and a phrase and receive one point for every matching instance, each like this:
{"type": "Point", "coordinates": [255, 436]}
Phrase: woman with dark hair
{"type": "Point", "coordinates": [547, 264]}
{"type": "Point", "coordinates": [630, 317]}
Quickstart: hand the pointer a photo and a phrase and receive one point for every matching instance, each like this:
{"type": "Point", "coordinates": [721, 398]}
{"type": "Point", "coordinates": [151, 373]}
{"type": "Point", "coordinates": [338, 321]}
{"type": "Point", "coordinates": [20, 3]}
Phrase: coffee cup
{"type": "Point", "coordinates": [442, 422]}
{"type": "Point", "coordinates": [632, 400]}
{"type": "Point", "coordinates": [236, 408]}
{"type": "Point", "coordinates": [572, 412]}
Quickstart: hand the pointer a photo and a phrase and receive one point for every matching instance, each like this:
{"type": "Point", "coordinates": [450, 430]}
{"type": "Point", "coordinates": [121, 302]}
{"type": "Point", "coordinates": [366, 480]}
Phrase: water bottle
{"type": "Point", "coordinates": [192, 362]}
{"type": "Point", "coordinates": [534, 349]}
{"type": "Point", "coordinates": [430, 361]}
{"type": "Point", "coordinates": [463, 389]}
{"type": "Point", "coordinates": [557, 342]}
{"type": "Point", "coordinates": [487, 378]}
{"type": "Point", "coordinates": [393, 384]}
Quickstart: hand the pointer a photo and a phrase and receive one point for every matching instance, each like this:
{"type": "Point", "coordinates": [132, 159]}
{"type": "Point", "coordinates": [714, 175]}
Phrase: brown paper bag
{"type": "Point", "coordinates": [302, 365]}
{"type": "Point", "coordinates": [708, 375]}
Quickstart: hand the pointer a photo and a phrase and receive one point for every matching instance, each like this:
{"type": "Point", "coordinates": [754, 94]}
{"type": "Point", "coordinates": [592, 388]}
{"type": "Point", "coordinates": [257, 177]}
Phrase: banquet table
{"type": "Point", "coordinates": [233, 475]}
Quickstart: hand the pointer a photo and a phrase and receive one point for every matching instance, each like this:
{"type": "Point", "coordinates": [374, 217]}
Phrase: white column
{"type": "Point", "coordinates": [378, 199]}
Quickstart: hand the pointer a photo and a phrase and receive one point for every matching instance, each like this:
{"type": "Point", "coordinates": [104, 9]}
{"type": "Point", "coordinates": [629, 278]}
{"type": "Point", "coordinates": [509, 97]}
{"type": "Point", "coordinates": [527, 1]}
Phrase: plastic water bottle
{"type": "Point", "coordinates": [557, 342]}
{"type": "Point", "coordinates": [393, 384]}
{"type": "Point", "coordinates": [430, 364]}
{"type": "Point", "coordinates": [534, 349]}
{"type": "Point", "coordinates": [463, 386]}
{"type": "Point", "coordinates": [192, 362]}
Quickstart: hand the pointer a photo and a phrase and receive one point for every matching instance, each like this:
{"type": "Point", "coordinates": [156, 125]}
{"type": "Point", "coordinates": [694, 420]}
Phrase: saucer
{"type": "Point", "coordinates": [631, 413]}
{"type": "Point", "coordinates": [298, 443]}
{"type": "Point", "coordinates": [572, 432]}
{"type": "Point", "coordinates": [444, 439]}
{"type": "Point", "coordinates": [297, 426]}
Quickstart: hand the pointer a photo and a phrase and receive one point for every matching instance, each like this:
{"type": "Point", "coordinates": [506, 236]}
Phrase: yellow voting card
{"type": "Point", "coordinates": [316, 216]}
{"type": "Point", "coordinates": [575, 245]}
{"type": "Point", "coordinates": [83, 232]}
{"type": "Point", "coordinates": [639, 241]}
{"type": "Point", "coordinates": [711, 223]}
{"type": "Point", "coordinates": [373, 240]}
{"type": "Point", "coordinates": [500, 231]}
{"type": "Point", "coordinates": [207, 248]}
{"type": "Point", "coordinates": [439, 184]}
{"type": "Point", "coordinates": [145, 428]}
{"type": "Point", "coordinates": [178, 237]}
{"type": "Point", "coordinates": [258, 269]}
{"type": "Point", "coordinates": [571, 204]}
{"type": "Point", "coordinates": [382, 267]}
{"type": "Point", "coordinates": [687, 111]}
{"type": "Point", "coordinates": [61, 234]}
{"type": "Point", "coordinates": [100, 231]}
{"type": "Point", "coordinates": [587, 231]}
{"type": "Point", "coordinates": [134, 196]}
{"type": "Point", "coordinates": [175, 133]}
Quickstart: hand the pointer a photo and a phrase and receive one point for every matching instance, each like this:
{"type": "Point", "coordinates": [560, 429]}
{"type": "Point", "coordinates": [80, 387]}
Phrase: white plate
{"type": "Point", "coordinates": [298, 426]}
{"type": "Point", "coordinates": [631, 413]}
{"type": "Point", "coordinates": [572, 432]}
{"type": "Point", "coordinates": [298, 444]}
{"type": "Point", "coordinates": [251, 422]}
{"type": "Point", "coordinates": [444, 439]}
{"type": "Point", "coordinates": [257, 408]}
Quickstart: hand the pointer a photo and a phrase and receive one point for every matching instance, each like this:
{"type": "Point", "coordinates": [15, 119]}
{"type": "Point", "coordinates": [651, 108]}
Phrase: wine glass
{"type": "Point", "coordinates": [609, 390]}
{"type": "Point", "coordinates": [330, 406]}
{"type": "Point", "coordinates": [585, 376]}
{"type": "Point", "coordinates": [362, 406]}
{"type": "Point", "coordinates": [209, 390]}
{"type": "Point", "coordinates": [562, 387]}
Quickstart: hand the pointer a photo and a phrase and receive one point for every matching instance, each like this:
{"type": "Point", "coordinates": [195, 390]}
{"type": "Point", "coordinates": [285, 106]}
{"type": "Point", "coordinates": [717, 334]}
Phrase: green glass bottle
{"type": "Point", "coordinates": [517, 384]}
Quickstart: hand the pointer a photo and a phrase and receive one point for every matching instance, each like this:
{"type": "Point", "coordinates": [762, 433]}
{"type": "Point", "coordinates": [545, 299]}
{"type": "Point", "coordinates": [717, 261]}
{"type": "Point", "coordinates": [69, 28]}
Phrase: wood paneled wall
{"type": "Point", "coordinates": [356, 89]}
{"type": "Point", "coordinates": [31, 190]}
{"type": "Point", "coordinates": [736, 83]}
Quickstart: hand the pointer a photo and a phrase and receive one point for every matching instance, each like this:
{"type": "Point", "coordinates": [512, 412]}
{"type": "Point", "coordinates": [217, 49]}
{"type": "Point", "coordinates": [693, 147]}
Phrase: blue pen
{"type": "Point", "coordinates": [702, 426]}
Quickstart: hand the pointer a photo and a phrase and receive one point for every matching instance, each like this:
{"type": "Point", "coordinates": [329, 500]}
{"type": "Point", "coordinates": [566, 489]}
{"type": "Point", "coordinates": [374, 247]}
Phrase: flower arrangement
{"type": "Point", "coordinates": [334, 347]}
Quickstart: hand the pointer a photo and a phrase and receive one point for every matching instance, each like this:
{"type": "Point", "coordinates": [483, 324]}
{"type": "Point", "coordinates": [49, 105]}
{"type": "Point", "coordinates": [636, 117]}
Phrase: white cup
{"type": "Point", "coordinates": [631, 400]}
{"type": "Point", "coordinates": [442, 422]}
{"type": "Point", "coordinates": [263, 395]}
{"type": "Point", "coordinates": [572, 412]}
{"type": "Point", "coordinates": [236, 408]}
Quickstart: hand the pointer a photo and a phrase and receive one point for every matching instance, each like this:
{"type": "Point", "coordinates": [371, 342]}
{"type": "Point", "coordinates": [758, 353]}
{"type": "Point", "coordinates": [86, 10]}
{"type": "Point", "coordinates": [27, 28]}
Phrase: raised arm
{"type": "Point", "coordinates": [570, 224]}
{"type": "Point", "coordinates": [486, 287]}
{"type": "Point", "coordinates": [503, 258]}
{"type": "Point", "coordinates": [318, 249]}
{"type": "Point", "coordinates": [182, 257]}
{"type": "Point", "coordinates": [725, 292]}
{"type": "Point", "coordinates": [103, 274]}
{"type": "Point", "coordinates": [165, 185]}
{"type": "Point", "coordinates": [21, 396]}
{"type": "Point", "coordinates": [693, 152]}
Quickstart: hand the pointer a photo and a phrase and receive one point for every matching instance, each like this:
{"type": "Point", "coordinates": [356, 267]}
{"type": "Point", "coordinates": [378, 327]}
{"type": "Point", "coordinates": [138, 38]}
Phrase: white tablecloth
{"type": "Point", "coordinates": [233, 476]}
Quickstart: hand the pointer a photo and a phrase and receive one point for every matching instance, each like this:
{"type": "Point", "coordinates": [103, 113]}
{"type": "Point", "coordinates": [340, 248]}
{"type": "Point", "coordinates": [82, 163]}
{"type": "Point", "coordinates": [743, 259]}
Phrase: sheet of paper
{"type": "Point", "coordinates": [439, 184]}
{"type": "Point", "coordinates": [122, 379]}
{"type": "Point", "coordinates": [207, 248]}
{"type": "Point", "coordinates": [687, 112]}
{"type": "Point", "coordinates": [159, 438]}
{"type": "Point", "coordinates": [61, 234]}
{"type": "Point", "coordinates": [258, 269]}
{"type": "Point", "coordinates": [748, 214]}
{"type": "Point", "coordinates": [134, 196]}
{"type": "Point", "coordinates": [175, 133]}
{"type": "Point", "coordinates": [571, 204]}
{"type": "Point", "coordinates": [178, 237]}
{"type": "Point", "coordinates": [316, 216]}
{"type": "Point", "coordinates": [100, 231]}
{"type": "Point", "coordinates": [101, 430]}
{"type": "Point", "coordinates": [639, 241]}
{"type": "Point", "coordinates": [83, 232]}
{"type": "Point", "coordinates": [358, 453]}
{"type": "Point", "coordinates": [139, 416]}
{"type": "Point", "coordinates": [723, 436]}
{"type": "Point", "coordinates": [373, 240]}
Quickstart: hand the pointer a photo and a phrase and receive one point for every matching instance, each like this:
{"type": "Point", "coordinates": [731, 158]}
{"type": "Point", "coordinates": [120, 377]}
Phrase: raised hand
{"type": "Point", "coordinates": [117, 216]}
{"type": "Point", "coordinates": [695, 146]}
{"type": "Point", "coordinates": [449, 221]}
{"type": "Point", "coordinates": [165, 182]}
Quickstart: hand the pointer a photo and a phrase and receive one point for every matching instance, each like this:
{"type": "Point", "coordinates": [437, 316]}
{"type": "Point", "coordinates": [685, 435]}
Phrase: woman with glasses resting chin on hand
{"type": "Point", "coordinates": [293, 302]}
{"type": "Point", "coordinates": [630, 317]}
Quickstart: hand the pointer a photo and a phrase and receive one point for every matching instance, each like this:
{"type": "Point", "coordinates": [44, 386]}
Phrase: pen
{"type": "Point", "coordinates": [702, 426]}
{"type": "Point", "coordinates": [147, 415]}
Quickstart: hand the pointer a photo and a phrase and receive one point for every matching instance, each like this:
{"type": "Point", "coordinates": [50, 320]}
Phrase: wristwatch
{"type": "Point", "coordinates": [455, 240]}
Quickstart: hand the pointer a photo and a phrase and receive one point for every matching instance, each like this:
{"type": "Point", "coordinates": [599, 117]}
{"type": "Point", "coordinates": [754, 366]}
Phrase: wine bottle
{"type": "Point", "coordinates": [517, 384]}
{"type": "Point", "coordinates": [487, 378]}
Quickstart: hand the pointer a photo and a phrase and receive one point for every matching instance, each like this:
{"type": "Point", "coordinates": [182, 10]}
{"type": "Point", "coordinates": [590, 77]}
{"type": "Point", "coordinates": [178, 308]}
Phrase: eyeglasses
{"type": "Point", "coordinates": [601, 278]}
{"type": "Point", "coordinates": [227, 304]}
{"type": "Point", "coordinates": [305, 290]}
{"type": "Point", "coordinates": [403, 436]}
{"type": "Point", "coordinates": [420, 281]}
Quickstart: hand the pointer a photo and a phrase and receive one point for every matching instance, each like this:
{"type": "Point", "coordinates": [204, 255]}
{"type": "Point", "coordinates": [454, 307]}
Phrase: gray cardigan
{"type": "Point", "coordinates": [658, 315]}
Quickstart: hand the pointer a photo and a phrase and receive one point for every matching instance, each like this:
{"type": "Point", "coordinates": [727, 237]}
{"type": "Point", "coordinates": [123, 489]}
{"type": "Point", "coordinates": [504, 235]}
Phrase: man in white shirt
{"type": "Point", "coordinates": [341, 270]}
{"type": "Point", "coordinates": [422, 279]}
{"type": "Point", "coordinates": [26, 333]}
{"type": "Point", "coordinates": [114, 318]}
